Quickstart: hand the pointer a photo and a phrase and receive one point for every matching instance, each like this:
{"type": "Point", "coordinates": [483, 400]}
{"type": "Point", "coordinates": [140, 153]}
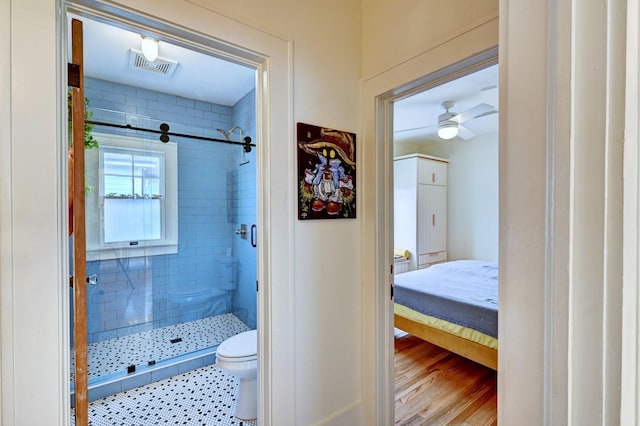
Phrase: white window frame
{"type": "Point", "coordinates": [97, 249]}
{"type": "Point", "coordinates": [131, 196]}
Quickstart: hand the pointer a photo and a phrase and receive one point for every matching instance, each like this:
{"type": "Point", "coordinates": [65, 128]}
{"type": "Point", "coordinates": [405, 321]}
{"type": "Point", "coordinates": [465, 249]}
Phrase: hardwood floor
{"type": "Point", "coordinates": [437, 387]}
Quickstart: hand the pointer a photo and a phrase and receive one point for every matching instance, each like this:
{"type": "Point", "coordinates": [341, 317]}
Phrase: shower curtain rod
{"type": "Point", "coordinates": [165, 133]}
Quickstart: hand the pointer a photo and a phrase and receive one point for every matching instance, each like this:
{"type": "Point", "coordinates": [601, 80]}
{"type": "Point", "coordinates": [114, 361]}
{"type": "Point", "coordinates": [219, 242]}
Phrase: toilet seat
{"type": "Point", "coordinates": [227, 360]}
{"type": "Point", "coordinates": [239, 348]}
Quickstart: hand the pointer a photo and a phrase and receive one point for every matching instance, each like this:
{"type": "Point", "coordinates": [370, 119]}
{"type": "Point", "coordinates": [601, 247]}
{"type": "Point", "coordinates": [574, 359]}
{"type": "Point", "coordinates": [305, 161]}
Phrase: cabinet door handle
{"type": "Point", "coordinates": [433, 177]}
{"type": "Point", "coordinates": [433, 219]}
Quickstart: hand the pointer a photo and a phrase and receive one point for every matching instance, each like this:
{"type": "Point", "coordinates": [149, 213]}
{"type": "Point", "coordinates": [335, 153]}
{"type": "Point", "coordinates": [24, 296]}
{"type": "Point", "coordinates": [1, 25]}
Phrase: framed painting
{"type": "Point", "coordinates": [326, 173]}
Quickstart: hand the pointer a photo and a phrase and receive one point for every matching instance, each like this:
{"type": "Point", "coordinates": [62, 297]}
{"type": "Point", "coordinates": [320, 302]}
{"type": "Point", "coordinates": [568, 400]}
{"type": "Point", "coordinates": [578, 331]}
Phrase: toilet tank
{"type": "Point", "coordinates": [228, 273]}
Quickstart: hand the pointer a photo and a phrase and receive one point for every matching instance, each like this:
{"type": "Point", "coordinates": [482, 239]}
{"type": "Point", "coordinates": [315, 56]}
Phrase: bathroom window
{"type": "Point", "coordinates": [131, 198]}
{"type": "Point", "coordinates": [132, 192]}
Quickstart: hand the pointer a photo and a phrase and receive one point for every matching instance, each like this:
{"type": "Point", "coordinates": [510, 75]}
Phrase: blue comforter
{"type": "Point", "coordinates": [464, 292]}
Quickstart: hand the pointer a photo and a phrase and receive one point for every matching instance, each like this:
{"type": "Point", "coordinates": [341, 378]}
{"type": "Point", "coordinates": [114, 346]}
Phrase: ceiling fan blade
{"type": "Point", "coordinates": [495, 111]}
{"type": "Point", "coordinates": [490, 87]}
{"type": "Point", "coordinates": [464, 133]}
{"type": "Point", "coordinates": [415, 128]}
{"type": "Point", "coordinates": [477, 111]}
{"type": "Point", "coordinates": [415, 134]}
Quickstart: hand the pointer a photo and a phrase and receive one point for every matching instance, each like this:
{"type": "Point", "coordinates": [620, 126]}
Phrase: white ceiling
{"type": "Point", "coordinates": [197, 76]}
{"type": "Point", "coordinates": [416, 117]}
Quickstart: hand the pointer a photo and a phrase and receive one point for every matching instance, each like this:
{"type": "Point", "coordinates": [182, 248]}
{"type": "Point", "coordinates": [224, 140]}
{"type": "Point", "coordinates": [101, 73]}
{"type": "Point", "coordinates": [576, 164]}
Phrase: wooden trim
{"type": "Point", "coordinates": [79, 234]}
{"type": "Point", "coordinates": [466, 348]}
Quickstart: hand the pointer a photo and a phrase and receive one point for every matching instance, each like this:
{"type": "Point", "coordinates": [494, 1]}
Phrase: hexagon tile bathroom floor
{"type": "Point", "coordinates": [203, 397]}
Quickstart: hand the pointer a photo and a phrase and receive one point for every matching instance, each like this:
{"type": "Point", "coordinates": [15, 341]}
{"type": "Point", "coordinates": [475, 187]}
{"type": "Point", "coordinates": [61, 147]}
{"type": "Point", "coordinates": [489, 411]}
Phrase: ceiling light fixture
{"type": "Point", "coordinates": [149, 47]}
{"type": "Point", "coordinates": [447, 129]}
{"type": "Point", "coordinates": [447, 125]}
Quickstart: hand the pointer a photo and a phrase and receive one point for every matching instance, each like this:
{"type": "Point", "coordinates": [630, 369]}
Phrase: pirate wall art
{"type": "Point", "coordinates": [326, 173]}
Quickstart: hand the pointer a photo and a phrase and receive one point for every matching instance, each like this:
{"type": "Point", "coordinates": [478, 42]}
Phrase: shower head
{"type": "Point", "coordinates": [227, 133]}
{"type": "Point", "coordinates": [246, 142]}
{"type": "Point", "coordinates": [224, 133]}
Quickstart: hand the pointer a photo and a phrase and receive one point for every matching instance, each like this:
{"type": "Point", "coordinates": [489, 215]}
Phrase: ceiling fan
{"type": "Point", "coordinates": [449, 124]}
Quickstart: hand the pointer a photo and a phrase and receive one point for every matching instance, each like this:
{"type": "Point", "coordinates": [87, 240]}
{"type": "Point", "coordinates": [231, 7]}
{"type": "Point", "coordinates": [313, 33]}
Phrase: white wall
{"type": "Point", "coordinates": [30, 231]}
{"type": "Point", "coordinates": [326, 67]}
{"type": "Point", "coordinates": [472, 191]}
{"type": "Point", "coordinates": [396, 32]}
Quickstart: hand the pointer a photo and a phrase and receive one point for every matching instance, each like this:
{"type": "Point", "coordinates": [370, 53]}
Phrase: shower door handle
{"type": "Point", "coordinates": [254, 235]}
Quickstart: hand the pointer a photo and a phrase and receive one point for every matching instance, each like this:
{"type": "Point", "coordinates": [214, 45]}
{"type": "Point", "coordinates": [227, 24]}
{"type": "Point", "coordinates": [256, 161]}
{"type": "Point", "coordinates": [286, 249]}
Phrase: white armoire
{"type": "Point", "coordinates": [420, 208]}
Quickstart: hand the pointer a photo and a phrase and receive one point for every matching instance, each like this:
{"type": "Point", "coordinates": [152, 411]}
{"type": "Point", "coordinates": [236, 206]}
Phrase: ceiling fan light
{"type": "Point", "coordinates": [149, 47]}
{"type": "Point", "coordinates": [447, 129]}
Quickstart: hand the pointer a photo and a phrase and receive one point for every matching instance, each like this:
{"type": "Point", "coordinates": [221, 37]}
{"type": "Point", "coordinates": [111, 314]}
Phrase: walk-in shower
{"type": "Point", "coordinates": [158, 304]}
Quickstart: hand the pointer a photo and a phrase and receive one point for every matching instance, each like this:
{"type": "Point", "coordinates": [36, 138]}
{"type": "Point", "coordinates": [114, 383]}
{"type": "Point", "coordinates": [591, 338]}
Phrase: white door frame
{"type": "Point", "coordinates": [378, 92]}
{"type": "Point", "coordinates": [385, 108]}
{"type": "Point", "coordinates": [266, 70]}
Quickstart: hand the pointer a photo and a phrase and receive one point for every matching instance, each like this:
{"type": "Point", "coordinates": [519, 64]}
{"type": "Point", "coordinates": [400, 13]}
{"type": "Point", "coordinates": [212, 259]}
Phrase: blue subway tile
{"type": "Point", "coordinates": [102, 85]}
{"type": "Point", "coordinates": [125, 90]}
{"type": "Point", "coordinates": [165, 372]}
{"type": "Point", "coordinates": [186, 102]}
{"type": "Point", "coordinates": [136, 102]}
{"type": "Point", "coordinates": [136, 381]}
{"type": "Point", "coordinates": [166, 98]}
{"type": "Point", "coordinates": [190, 365]}
{"type": "Point", "coordinates": [146, 94]}
{"type": "Point", "coordinates": [105, 390]}
{"type": "Point", "coordinates": [116, 98]}
{"type": "Point", "coordinates": [204, 106]}
{"type": "Point", "coordinates": [202, 219]}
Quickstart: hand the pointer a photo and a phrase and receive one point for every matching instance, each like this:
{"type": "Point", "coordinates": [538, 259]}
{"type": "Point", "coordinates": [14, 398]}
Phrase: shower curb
{"type": "Point", "coordinates": [148, 374]}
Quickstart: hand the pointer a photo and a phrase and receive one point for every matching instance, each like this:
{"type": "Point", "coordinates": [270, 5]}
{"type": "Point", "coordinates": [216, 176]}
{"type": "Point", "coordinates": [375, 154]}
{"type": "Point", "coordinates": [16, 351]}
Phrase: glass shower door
{"type": "Point", "coordinates": [131, 212]}
{"type": "Point", "coordinates": [159, 301]}
{"type": "Point", "coordinates": [155, 302]}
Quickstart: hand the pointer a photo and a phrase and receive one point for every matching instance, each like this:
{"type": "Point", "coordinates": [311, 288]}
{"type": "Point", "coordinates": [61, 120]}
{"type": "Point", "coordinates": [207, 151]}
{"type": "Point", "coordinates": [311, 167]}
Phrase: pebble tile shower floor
{"type": "Point", "coordinates": [205, 396]}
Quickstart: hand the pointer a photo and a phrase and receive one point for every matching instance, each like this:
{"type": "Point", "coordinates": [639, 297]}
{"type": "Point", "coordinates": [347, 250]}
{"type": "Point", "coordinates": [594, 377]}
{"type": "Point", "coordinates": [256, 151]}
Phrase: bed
{"type": "Point", "coordinates": [453, 305]}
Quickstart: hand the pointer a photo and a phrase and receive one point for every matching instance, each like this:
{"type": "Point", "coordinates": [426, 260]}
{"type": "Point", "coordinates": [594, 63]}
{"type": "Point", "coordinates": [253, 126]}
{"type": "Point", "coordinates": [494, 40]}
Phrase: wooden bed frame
{"type": "Point", "coordinates": [466, 348]}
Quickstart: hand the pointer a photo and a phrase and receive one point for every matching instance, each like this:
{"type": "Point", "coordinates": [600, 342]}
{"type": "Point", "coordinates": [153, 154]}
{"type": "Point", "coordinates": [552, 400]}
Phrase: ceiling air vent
{"type": "Point", "coordinates": [159, 66]}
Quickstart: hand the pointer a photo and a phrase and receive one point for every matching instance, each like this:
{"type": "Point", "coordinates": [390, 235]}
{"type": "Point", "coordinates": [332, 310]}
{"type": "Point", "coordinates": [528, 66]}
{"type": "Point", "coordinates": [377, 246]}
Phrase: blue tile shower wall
{"type": "Point", "coordinates": [133, 293]}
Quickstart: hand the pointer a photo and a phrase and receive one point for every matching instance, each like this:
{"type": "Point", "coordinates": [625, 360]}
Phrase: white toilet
{"type": "Point", "coordinates": [238, 355]}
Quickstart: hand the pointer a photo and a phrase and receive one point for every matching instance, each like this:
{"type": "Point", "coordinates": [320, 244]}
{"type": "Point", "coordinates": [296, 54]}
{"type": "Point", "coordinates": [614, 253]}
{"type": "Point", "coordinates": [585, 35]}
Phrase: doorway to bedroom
{"type": "Point", "coordinates": [445, 209]}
